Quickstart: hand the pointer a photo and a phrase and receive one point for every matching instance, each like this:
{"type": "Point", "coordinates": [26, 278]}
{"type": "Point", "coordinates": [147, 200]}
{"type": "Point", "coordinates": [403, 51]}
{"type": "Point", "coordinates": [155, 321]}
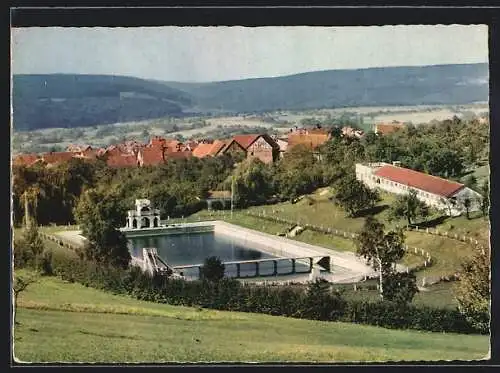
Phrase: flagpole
{"type": "Point", "coordinates": [232, 195]}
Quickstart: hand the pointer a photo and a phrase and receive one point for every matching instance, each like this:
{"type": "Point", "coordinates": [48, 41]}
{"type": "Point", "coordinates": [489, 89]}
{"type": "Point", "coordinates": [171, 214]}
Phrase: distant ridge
{"type": "Point", "coordinates": [70, 100]}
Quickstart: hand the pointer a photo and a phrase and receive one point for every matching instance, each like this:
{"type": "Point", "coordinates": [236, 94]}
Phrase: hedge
{"type": "Point", "coordinates": [314, 302]}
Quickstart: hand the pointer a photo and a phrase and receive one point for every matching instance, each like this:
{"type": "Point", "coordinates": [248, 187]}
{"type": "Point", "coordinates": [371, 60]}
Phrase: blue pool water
{"type": "Point", "coordinates": [194, 248]}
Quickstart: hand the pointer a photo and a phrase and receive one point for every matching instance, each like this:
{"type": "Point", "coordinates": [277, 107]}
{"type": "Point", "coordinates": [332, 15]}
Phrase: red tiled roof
{"type": "Point", "coordinates": [57, 157]}
{"type": "Point", "coordinates": [217, 147]}
{"type": "Point", "coordinates": [122, 160]}
{"type": "Point", "coordinates": [151, 156]}
{"type": "Point", "coordinates": [202, 150]}
{"type": "Point", "coordinates": [113, 150]}
{"type": "Point", "coordinates": [246, 140]}
{"type": "Point", "coordinates": [227, 145]}
{"type": "Point", "coordinates": [191, 145]}
{"type": "Point", "coordinates": [157, 141]}
{"type": "Point", "coordinates": [25, 159]}
{"type": "Point", "coordinates": [311, 140]}
{"type": "Point", "coordinates": [419, 180]}
{"type": "Point", "coordinates": [178, 155]}
{"type": "Point", "coordinates": [206, 150]}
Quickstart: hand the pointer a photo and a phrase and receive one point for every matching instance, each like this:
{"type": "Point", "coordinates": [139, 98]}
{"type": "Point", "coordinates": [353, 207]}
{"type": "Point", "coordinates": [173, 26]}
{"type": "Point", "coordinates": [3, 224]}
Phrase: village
{"type": "Point", "coordinates": [434, 191]}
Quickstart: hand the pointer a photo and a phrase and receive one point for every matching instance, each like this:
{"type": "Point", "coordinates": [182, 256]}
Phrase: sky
{"type": "Point", "coordinates": [202, 54]}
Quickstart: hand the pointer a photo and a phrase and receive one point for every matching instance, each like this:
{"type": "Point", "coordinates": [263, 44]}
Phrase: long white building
{"type": "Point", "coordinates": [436, 192]}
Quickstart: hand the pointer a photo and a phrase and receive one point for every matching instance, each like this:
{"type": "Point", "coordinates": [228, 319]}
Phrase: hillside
{"type": "Point", "coordinates": [67, 322]}
{"type": "Point", "coordinates": [432, 85]}
{"type": "Point", "coordinates": [60, 100]}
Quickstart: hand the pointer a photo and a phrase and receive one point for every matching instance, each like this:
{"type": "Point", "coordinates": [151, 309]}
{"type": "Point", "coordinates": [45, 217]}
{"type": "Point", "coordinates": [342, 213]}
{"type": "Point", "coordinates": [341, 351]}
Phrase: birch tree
{"type": "Point", "coordinates": [381, 250]}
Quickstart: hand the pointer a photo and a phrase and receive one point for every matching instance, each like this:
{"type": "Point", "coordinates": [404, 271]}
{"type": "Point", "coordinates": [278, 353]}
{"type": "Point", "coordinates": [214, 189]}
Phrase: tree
{"type": "Point", "coordinates": [99, 216]}
{"type": "Point", "coordinates": [382, 250]}
{"type": "Point", "coordinates": [450, 203]}
{"type": "Point", "coordinates": [409, 207]}
{"type": "Point", "coordinates": [467, 202]}
{"type": "Point", "coordinates": [400, 287]}
{"type": "Point", "coordinates": [485, 201]}
{"type": "Point", "coordinates": [253, 182]}
{"type": "Point", "coordinates": [473, 290]}
{"type": "Point", "coordinates": [212, 269]}
{"type": "Point", "coordinates": [471, 182]}
{"type": "Point", "coordinates": [21, 283]}
{"type": "Point", "coordinates": [353, 195]}
{"type": "Point", "coordinates": [33, 242]}
{"type": "Point", "coordinates": [31, 195]}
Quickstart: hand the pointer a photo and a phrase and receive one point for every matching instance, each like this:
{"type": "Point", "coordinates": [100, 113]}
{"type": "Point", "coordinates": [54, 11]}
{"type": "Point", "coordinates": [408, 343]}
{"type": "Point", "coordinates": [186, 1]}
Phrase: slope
{"type": "Point", "coordinates": [67, 322]}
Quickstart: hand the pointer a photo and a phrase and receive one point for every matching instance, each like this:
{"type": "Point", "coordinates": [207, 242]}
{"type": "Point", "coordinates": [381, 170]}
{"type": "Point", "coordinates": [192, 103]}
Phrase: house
{"type": "Point", "coordinates": [283, 145]}
{"type": "Point", "coordinates": [436, 192]}
{"type": "Point", "coordinates": [352, 132]}
{"type": "Point", "coordinates": [122, 160]}
{"type": "Point", "coordinates": [78, 148]}
{"type": "Point", "coordinates": [233, 148]}
{"type": "Point", "coordinates": [386, 128]}
{"type": "Point", "coordinates": [182, 154]}
{"type": "Point", "coordinates": [130, 147]}
{"type": "Point", "coordinates": [84, 152]}
{"type": "Point", "coordinates": [262, 147]}
{"type": "Point", "coordinates": [311, 138]}
{"type": "Point", "coordinates": [25, 159]}
{"type": "Point", "coordinates": [151, 156]}
{"type": "Point", "coordinates": [157, 142]}
{"type": "Point", "coordinates": [55, 158]}
{"type": "Point", "coordinates": [206, 149]}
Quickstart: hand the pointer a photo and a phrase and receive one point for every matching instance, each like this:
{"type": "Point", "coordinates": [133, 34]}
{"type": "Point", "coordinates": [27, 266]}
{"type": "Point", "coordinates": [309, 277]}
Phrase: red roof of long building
{"type": "Point", "coordinates": [419, 180]}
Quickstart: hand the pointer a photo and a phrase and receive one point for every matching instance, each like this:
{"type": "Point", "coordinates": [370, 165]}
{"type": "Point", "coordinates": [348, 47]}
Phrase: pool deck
{"type": "Point", "coordinates": [346, 266]}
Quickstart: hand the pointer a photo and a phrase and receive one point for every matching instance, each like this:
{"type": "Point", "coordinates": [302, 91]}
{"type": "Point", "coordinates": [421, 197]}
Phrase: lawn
{"type": "Point", "coordinates": [447, 254]}
{"type": "Point", "coordinates": [439, 295]}
{"type": "Point", "coordinates": [71, 323]}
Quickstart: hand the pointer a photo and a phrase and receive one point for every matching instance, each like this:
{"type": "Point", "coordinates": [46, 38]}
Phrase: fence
{"type": "Point", "coordinates": [447, 234]}
{"type": "Point", "coordinates": [58, 240]}
{"type": "Point", "coordinates": [428, 261]}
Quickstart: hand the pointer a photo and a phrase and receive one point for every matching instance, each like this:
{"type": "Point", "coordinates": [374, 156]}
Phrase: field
{"type": "Point", "coordinates": [66, 322]}
{"type": "Point", "coordinates": [44, 139]}
{"type": "Point", "coordinates": [447, 253]}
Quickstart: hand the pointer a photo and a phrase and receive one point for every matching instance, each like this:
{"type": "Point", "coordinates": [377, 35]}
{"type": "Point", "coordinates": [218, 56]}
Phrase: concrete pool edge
{"type": "Point", "coordinates": [353, 269]}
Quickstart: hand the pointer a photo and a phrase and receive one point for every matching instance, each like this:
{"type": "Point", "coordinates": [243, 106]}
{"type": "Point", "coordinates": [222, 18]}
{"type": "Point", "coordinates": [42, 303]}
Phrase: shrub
{"type": "Point", "coordinates": [212, 269]}
{"type": "Point", "coordinates": [46, 263]}
{"type": "Point", "coordinates": [316, 302]}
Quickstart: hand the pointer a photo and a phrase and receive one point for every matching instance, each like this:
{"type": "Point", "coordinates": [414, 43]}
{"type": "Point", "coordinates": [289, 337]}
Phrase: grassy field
{"type": "Point", "coordinates": [70, 323]}
{"type": "Point", "coordinates": [447, 253]}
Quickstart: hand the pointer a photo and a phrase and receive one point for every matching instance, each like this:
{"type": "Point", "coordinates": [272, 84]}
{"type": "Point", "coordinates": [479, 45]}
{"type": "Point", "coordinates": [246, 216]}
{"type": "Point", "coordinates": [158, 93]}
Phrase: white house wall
{"type": "Point", "coordinates": [474, 197]}
{"type": "Point", "coordinates": [365, 173]}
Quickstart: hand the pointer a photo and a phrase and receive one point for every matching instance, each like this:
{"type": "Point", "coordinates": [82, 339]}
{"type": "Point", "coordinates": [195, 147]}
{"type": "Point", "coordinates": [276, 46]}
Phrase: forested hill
{"type": "Point", "coordinates": [440, 84]}
{"type": "Point", "coordinates": [65, 100]}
